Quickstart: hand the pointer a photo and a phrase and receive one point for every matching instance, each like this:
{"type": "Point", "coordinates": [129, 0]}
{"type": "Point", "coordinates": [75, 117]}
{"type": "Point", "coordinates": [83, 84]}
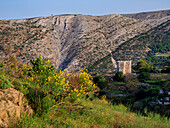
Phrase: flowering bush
{"type": "Point", "coordinates": [53, 85]}
{"type": "Point", "coordinates": [15, 68]}
{"type": "Point", "coordinates": [41, 66]}
{"type": "Point", "coordinates": [47, 78]}
{"type": "Point", "coordinates": [81, 84]}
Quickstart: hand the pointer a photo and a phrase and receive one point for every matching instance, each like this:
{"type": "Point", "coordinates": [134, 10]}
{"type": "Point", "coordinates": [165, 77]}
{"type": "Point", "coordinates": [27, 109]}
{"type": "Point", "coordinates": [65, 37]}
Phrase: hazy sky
{"type": "Point", "coordinates": [17, 9]}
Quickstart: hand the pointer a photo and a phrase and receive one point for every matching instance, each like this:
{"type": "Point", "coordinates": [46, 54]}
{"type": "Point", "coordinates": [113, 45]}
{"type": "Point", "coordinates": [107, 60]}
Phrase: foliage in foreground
{"type": "Point", "coordinates": [96, 113]}
{"type": "Point", "coordinates": [4, 83]}
{"type": "Point", "coordinates": [63, 100]}
{"type": "Point", "coordinates": [43, 85]}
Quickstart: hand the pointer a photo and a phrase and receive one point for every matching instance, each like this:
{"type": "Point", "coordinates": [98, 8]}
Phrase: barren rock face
{"type": "Point", "coordinates": [12, 104]}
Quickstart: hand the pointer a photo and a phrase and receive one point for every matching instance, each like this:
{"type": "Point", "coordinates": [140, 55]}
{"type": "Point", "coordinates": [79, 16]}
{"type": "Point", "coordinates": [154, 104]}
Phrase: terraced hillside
{"type": "Point", "coordinates": [73, 41]}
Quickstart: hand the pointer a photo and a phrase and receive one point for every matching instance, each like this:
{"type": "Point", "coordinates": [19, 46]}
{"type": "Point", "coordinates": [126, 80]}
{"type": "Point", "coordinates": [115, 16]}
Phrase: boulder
{"type": "Point", "coordinates": [12, 105]}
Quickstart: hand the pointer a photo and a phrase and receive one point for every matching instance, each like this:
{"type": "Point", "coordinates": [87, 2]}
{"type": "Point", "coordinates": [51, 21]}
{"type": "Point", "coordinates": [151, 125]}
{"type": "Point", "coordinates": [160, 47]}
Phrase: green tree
{"type": "Point", "coordinates": [100, 81]}
{"type": "Point", "coordinates": [119, 76]}
{"type": "Point", "coordinates": [144, 66]}
{"type": "Point", "coordinates": [144, 76]}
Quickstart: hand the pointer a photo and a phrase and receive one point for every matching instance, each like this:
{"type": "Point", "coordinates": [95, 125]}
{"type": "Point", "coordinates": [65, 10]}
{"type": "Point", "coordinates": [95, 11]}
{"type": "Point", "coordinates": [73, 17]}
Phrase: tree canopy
{"type": "Point", "coordinates": [144, 66]}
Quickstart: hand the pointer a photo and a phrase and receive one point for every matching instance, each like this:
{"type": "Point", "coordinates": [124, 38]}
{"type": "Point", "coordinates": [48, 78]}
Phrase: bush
{"type": "Point", "coordinates": [1, 65]}
{"type": "Point", "coordinates": [119, 76]}
{"type": "Point", "coordinates": [143, 76]}
{"type": "Point", "coordinates": [41, 65]}
{"type": "Point", "coordinates": [80, 84]}
{"type": "Point", "coordinates": [4, 83]}
{"type": "Point", "coordinates": [50, 85]}
{"type": "Point", "coordinates": [144, 66]}
{"type": "Point", "coordinates": [15, 68]}
{"type": "Point", "coordinates": [100, 81]}
{"type": "Point", "coordinates": [147, 95]}
{"type": "Point", "coordinates": [146, 90]}
{"type": "Point", "coordinates": [166, 70]}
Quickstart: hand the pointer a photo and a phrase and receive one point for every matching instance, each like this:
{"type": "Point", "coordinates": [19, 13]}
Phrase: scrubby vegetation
{"type": "Point", "coordinates": [152, 45]}
{"type": "Point", "coordinates": [143, 66]}
{"type": "Point", "coordinates": [60, 99]}
{"type": "Point", "coordinates": [4, 83]}
{"type": "Point", "coordinates": [119, 76]}
{"type": "Point", "coordinates": [144, 76]}
{"type": "Point", "coordinates": [142, 90]}
{"type": "Point", "coordinates": [100, 81]}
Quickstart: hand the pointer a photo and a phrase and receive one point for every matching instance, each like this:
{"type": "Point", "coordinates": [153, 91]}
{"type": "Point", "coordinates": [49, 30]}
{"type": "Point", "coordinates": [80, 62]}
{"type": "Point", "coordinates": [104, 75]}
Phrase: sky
{"type": "Point", "coordinates": [20, 9]}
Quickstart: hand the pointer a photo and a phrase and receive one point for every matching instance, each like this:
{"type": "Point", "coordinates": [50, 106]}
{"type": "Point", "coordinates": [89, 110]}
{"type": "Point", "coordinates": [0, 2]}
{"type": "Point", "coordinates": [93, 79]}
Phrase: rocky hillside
{"type": "Point", "coordinates": [140, 45]}
{"type": "Point", "coordinates": [73, 41]}
{"type": "Point", "coordinates": [149, 15]}
{"type": "Point", "coordinates": [143, 46]}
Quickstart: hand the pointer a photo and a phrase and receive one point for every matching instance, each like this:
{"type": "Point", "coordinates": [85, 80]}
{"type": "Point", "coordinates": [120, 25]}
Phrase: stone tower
{"type": "Point", "coordinates": [124, 66]}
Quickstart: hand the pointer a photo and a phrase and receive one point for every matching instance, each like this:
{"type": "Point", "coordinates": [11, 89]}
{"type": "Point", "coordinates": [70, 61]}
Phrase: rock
{"type": "Point", "coordinates": [12, 105]}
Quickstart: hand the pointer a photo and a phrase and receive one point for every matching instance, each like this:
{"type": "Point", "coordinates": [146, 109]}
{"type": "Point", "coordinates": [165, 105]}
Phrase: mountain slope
{"type": "Point", "coordinates": [149, 15]}
{"type": "Point", "coordinates": [72, 41]}
{"type": "Point", "coordinates": [143, 46]}
{"type": "Point", "coordinates": [138, 47]}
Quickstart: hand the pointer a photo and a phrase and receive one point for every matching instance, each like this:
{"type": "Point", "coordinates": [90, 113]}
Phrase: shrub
{"type": "Point", "coordinates": [41, 65]}
{"type": "Point", "coordinates": [21, 86]}
{"type": "Point", "coordinates": [1, 48]}
{"type": "Point", "coordinates": [1, 65]}
{"type": "Point", "coordinates": [45, 77]}
{"type": "Point", "coordinates": [100, 81]}
{"type": "Point", "coordinates": [144, 66]}
{"type": "Point", "coordinates": [144, 76]}
{"type": "Point", "coordinates": [86, 83]}
{"type": "Point", "coordinates": [45, 86]}
{"type": "Point", "coordinates": [145, 90]}
{"type": "Point", "coordinates": [167, 70]}
{"type": "Point", "coordinates": [50, 85]}
{"type": "Point", "coordinates": [4, 83]}
{"type": "Point", "coordinates": [80, 84]}
{"type": "Point", "coordinates": [119, 76]}
{"type": "Point", "coordinates": [15, 68]}
{"type": "Point", "coordinates": [147, 95]}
